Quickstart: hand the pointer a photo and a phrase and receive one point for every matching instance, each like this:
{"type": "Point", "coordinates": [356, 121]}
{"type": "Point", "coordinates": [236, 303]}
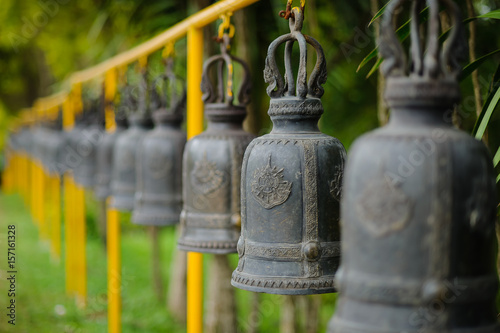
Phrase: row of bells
{"type": "Point", "coordinates": [418, 198]}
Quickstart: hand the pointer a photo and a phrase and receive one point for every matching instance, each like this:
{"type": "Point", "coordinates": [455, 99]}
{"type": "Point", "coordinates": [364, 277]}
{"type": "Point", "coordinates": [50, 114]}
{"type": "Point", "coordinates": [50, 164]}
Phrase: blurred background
{"type": "Point", "coordinates": [42, 42]}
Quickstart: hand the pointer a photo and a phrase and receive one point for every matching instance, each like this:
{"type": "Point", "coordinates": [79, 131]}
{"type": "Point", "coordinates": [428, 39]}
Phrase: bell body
{"type": "Point", "coordinates": [418, 225]}
{"type": "Point", "coordinates": [158, 196]}
{"type": "Point", "coordinates": [124, 160]}
{"type": "Point", "coordinates": [104, 163]}
{"type": "Point", "coordinates": [39, 147]}
{"type": "Point", "coordinates": [90, 137]}
{"type": "Point", "coordinates": [290, 241]}
{"type": "Point", "coordinates": [211, 182]}
{"type": "Point", "coordinates": [54, 145]}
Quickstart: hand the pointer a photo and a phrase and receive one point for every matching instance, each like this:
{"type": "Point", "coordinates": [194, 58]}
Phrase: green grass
{"type": "Point", "coordinates": [40, 285]}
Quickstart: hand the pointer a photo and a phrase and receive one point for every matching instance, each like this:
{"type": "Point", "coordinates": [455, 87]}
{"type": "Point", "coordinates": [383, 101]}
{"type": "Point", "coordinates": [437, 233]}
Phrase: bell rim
{"type": "Point", "coordinates": [284, 291]}
{"type": "Point", "coordinates": [207, 247]}
{"type": "Point", "coordinates": [330, 279]}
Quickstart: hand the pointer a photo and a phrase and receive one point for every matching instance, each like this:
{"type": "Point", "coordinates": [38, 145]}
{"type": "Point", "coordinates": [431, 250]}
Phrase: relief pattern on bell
{"type": "Point", "coordinates": [290, 241]}
{"type": "Point", "coordinates": [419, 203]}
{"type": "Point", "coordinates": [158, 197]}
{"type": "Point", "coordinates": [212, 165]}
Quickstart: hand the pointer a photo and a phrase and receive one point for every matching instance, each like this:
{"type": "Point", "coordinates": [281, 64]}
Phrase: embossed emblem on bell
{"type": "Point", "coordinates": [90, 132]}
{"type": "Point", "coordinates": [419, 199]}
{"type": "Point", "coordinates": [212, 162]}
{"type": "Point", "coordinates": [104, 155]}
{"type": "Point", "coordinates": [123, 178]}
{"type": "Point", "coordinates": [158, 196]}
{"type": "Point", "coordinates": [290, 237]}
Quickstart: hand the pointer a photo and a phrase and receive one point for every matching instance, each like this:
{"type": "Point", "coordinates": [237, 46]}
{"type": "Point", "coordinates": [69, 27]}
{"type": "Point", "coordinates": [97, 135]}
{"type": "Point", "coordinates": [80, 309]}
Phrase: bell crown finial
{"type": "Point", "coordinates": [437, 60]}
{"type": "Point", "coordinates": [429, 79]}
{"type": "Point", "coordinates": [224, 93]}
{"type": "Point", "coordinates": [168, 95]}
{"type": "Point", "coordinates": [288, 86]}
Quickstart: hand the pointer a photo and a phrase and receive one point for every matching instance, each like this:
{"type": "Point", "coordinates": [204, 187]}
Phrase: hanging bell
{"type": "Point", "coordinates": [419, 202]}
{"type": "Point", "coordinates": [104, 156]}
{"type": "Point", "coordinates": [125, 150]}
{"type": "Point", "coordinates": [212, 163]}
{"type": "Point", "coordinates": [291, 179]}
{"type": "Point", "coordinates": [54, 144]}
{"type": "Point", "coordinates": [39, 137]}
{"type": "Point", "coordinates": [91, 129]}
{"type": "Point", "coordinates": [158, 196]}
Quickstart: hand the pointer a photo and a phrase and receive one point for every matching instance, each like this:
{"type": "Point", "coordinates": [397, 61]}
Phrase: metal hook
{"type": "Point", "coordinates": [288, 12]}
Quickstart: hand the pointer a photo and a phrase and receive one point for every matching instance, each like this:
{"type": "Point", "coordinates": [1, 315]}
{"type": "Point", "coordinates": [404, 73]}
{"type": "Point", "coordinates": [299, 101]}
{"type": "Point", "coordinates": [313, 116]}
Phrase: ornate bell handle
{"type": "Point", "coordinates": [279, 87]}
{"type": "Point", "coordinates": [436, 62]}
{"type": "Point", "coordinates": [225, 93]}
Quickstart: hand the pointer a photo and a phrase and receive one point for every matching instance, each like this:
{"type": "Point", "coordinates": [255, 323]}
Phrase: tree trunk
{"type": "Point", "coordinates": [382, 110]}
{"type": "Point", "coordinates": [156, 262]}
{"type": "Point", "coordinates": [253, 322]}
{"type": "Point", "coordinates": [177, 288]}
{"type": "Point", "coordinates": [221, 307]}
{"type": "Point", "coordinates": [288, 323]}
{"type": "Point", "coordinates": [312, 319]}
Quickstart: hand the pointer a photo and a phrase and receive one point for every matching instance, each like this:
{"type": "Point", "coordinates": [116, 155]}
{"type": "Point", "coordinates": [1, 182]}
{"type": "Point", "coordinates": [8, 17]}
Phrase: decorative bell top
{"type": "Point", "coordinates": [430, 77]}
{"type": "Point", "coordinates": [291, 97]}
{"type": "Point", "coordinates": [219, 103]}
{"type": "Point", "coordinates": [168, 110]}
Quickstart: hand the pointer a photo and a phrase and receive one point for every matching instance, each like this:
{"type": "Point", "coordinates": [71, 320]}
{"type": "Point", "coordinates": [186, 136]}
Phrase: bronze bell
{"type": "Point", "coordinates": [39, 137]}
{"type": "Point", "coordinates": [104, 156]}
{"type": "Point", "coordinates": [90, 134]}
{"type": "Point", "coordinates": [125, 150]}
{"type": "Point", "coordinates": [291, 181]}
{"type": "Point", "coordinates": [54, 144]}
{"type": "Point", "coordinates": [419, 200]}
{"type": "Point", "coordinates": [158, 196]}
{"type": "Point", "coordinates": [212, 163]}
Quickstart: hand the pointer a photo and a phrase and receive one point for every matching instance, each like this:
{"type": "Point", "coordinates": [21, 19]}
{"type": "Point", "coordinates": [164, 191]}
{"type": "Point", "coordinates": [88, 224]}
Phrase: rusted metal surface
{"type": "Point", "coordinates": [212, 162]}
{"type": "Point", "coordinates": [419, 198]}
{"type": "Point", "coordinates": [291, 179]}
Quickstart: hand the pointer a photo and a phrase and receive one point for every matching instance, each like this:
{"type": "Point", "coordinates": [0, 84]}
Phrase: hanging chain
{"type": "Point", "coordinates": [287, 13]}
{"type": "Point", "coordinates": [225, 28]}
{"type": "Point", "coordinates": [168, 51]}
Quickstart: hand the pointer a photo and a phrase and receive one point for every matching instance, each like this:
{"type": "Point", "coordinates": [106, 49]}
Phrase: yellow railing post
{"type": "Point", "coordinates": [6, 174]}
{"type": "Point", "coordinates": [68, 233]}
{"type": "Point", "coordinates": [69, 207]}
{"type": "Point", "coordinates": [54, 215]}
{"type": "Point", "coordinates": [194, 127]}
{"type": "Point", "coordinates": [80, 244]}
{"type": "Point", "coordinates": [114, 271]}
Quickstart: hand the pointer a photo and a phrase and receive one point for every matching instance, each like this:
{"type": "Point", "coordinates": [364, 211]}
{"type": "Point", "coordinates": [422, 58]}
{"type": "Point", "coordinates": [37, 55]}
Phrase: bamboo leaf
{"type": "Point", "coordinates": [487, 115]}
{"type": "Point", "coordinates": [496, 159]}
{"type": "Point", "coordinates": [370, 56]}
{"type": "Point", "coordinates": [402, 33]}
{"type": "Point", "coordinates": [379, 13]}
{"type": "Point", "coordinates": [375, 67]}
{"type": "Point", "coordinates": [495, 84]}
{"type": "Point", "coordinates": [468, 69]}
{"type": "Point", "coordinates": [495, 14]}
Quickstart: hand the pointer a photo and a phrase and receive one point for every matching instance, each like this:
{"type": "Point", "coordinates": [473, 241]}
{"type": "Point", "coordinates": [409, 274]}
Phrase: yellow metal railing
{"type": "Point", "coordinates": [73, 195]}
